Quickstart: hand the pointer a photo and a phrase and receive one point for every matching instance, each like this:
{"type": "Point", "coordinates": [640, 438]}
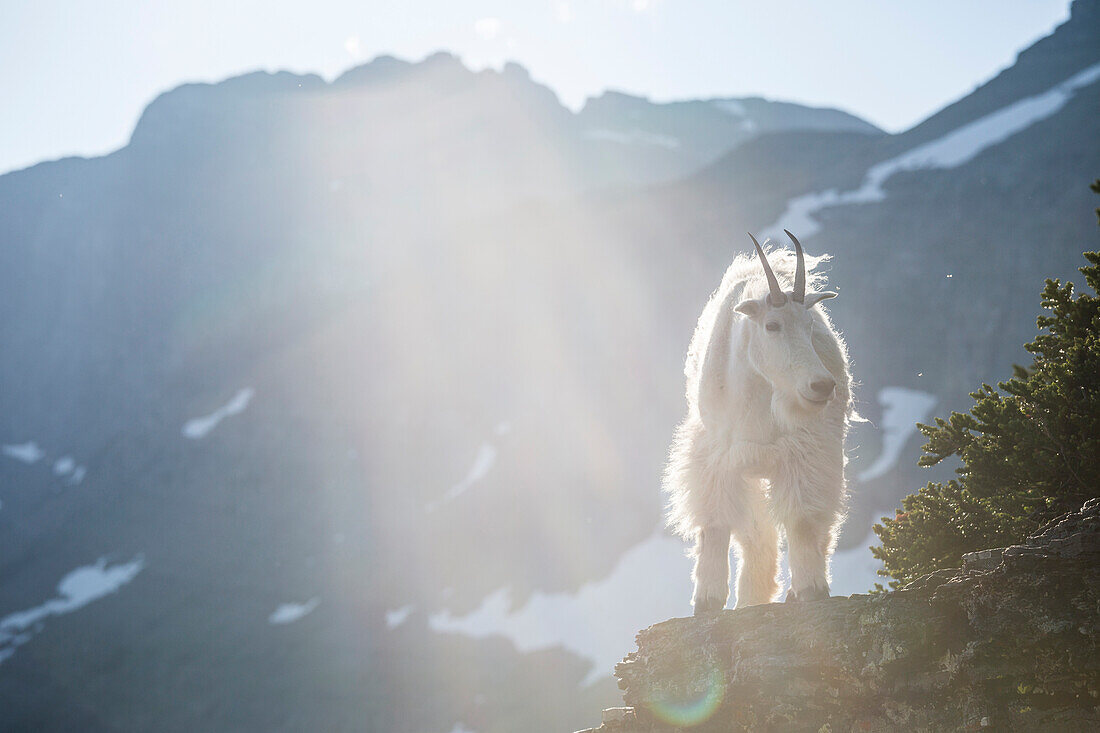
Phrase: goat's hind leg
{"type": "Point", "coordinates": [712, 569]}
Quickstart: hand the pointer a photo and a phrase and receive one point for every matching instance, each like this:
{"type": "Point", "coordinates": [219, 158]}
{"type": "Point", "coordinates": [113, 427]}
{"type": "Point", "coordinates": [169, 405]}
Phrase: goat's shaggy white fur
{"type": "Point", "coordinates": [754, 454]}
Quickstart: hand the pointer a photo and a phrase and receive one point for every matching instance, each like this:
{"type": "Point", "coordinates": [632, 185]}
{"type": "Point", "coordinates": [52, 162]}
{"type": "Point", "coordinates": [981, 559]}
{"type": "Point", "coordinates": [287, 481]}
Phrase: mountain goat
{"type": "Point", "coordinates": [768, 392]}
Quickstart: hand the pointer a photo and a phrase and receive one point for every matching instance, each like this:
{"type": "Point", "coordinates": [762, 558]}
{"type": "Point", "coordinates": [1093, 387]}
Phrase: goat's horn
{"type": "Point", "coordinates": [800, 271]}
{"type": "Point", "coordinates": [776, 296]}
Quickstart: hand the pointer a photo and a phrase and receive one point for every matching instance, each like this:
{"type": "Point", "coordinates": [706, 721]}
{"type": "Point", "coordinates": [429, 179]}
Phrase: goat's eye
{"type": "Point", "coordinates": [772, 326]}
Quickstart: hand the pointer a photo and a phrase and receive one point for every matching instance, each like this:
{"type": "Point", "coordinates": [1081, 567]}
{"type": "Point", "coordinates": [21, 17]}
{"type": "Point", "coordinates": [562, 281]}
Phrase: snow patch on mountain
{"type": "Point", "coordinates": [460, 728]}
{"type": "Point", "coordinates": [633, 137]}
{"type": "Point", "coordinates": [76, 590]}
{"type": "Point", "coordinates": [486, 457]}
{"type": "Point", "coordinates": [291, 612]}
{"type": "Point", "coordinates": [735, 108]}
{"type": "Point", "coordinates": [855, 570]}
{"type": "Point", "coordinates": [483, 462]}
{"type": "Point", "coordinates": [651, 583]}
{"type": "Point", "coordinates": [731, 107]}
{"type": "Point", "coordinates": [201, 426]}
{"type": "Point", "coordinates": [952, 150]}
{"type": "Point", "coordinates": [902, 409]}
{"type": "Point", "coordinates": [398, 616]}
{"type": "Point", "coordinates": [28, 452]}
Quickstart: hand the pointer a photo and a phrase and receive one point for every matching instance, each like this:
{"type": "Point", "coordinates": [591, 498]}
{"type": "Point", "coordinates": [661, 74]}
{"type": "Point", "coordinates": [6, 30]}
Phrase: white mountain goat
{"type": "Point", "coordinates": [768, 392]}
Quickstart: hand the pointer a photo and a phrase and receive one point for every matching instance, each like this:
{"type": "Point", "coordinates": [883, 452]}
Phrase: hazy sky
{"type": "Point", "coordinates": [76, 75]}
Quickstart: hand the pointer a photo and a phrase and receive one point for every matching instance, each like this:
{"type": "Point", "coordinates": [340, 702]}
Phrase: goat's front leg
{"type": "Point", "coordinates": [712, 570]}
{"type": "Point", "coordinates": [807, 497]}
{"type": "Point", "coordinates": [810, 544]}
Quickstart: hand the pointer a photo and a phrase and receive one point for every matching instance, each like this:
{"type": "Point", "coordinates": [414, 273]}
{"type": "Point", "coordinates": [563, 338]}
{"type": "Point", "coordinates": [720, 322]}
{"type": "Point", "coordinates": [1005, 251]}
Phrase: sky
{"type": "Point", "coordinates": [77, 74]}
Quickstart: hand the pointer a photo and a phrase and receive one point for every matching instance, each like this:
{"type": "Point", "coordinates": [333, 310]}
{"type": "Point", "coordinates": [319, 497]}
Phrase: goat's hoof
{"type": "Point", "coordinates": [807, 594]}
{"type": "Point", "coordinates": [708, 606]}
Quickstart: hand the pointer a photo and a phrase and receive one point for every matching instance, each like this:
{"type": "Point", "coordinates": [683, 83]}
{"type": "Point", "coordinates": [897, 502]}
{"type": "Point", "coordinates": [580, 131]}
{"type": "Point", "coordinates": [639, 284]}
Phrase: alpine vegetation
{"type": "Point", "coordinates": [762, 446]}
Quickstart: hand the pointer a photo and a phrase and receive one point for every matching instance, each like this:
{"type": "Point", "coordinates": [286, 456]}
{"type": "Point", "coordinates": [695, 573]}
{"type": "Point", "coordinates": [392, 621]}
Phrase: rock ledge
{"type": "Point", "coordinates": [1008, 642]}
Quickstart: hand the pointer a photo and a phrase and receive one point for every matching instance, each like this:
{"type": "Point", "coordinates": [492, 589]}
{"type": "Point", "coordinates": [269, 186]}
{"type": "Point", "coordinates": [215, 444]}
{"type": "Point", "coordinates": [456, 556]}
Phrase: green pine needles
{"type": "Point", "coordinates": [1030, 448]}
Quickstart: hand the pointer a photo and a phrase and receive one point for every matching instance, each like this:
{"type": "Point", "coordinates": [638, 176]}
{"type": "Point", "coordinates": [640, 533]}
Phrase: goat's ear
{"type": "Point", "coordinates": [751, 308]}
{"type": "Point", "coordinates": [813, 299]}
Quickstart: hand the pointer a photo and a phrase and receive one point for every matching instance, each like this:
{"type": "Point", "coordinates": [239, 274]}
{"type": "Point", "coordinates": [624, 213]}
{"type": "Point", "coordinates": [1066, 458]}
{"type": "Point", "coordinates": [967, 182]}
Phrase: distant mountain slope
{"type": "Point", "coordinates": [1069, 49]}
{"type": "Point", "coordinates": [330, 394]}
{"type": "Point", "coordinates": [701, 131]}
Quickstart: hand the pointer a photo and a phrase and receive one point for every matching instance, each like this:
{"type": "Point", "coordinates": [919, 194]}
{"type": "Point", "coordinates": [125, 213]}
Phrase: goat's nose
{"type": "Point", "coordinates": [823, 387]}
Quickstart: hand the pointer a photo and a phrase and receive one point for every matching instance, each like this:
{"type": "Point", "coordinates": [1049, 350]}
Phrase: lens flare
{"type": "Point", "coordinates": [692, 712]}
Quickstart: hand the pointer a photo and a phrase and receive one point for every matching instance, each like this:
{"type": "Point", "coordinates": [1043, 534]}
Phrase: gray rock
{"type": "Point", "coordinates": [982, 560]}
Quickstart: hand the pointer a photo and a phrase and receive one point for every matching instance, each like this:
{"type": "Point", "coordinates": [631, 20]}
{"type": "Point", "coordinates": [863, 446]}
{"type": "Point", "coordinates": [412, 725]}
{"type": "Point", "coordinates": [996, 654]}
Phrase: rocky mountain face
{"type": "Point", "coordinates": [314, 386]}
{"type": "Point", "coordinates": [1008, 642]}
